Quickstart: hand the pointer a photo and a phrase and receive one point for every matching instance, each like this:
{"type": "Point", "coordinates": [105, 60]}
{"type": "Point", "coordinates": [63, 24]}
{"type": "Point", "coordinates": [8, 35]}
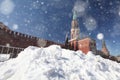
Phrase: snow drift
{"type": "Point", "coordinates": [4, 57]}
{"type": "Point", "coordinates": [55, 63]}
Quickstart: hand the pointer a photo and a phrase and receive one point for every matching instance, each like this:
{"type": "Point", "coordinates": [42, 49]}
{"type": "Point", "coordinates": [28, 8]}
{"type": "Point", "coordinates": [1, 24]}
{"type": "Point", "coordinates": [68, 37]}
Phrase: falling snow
{"type": "Point", "coordinates": [15, 26]}
{"type": "Point", "coordinates": [100, 36]}
{"type": "Point", "coordinates": [51, 19]}
{"type": "Point", "coordinates": [7, 7]}
{"type": "Point", "coordinates": [90, 23]}
{"type": "Point", "coordinates": [116, 30]}
{"type": "Point", "coordinates": [80, 7]}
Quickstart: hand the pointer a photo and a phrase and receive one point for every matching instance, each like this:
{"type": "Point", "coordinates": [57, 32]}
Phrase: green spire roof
{"type": "Point", "coordinates": [74, 15]}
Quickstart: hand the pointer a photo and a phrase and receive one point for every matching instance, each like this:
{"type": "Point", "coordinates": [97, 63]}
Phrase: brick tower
{"type": "Point", "coordinates": [75, 31]}
{"type": "Point", "coordinates": [76, 42]}
{"type": "Point", "coordinates": [75, 28]}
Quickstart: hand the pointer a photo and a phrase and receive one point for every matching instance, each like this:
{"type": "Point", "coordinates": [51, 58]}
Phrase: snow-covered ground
{"type": "Point", "coordinates": [4, 57]}
{"type": "Point", "coordinates": [55, 63]}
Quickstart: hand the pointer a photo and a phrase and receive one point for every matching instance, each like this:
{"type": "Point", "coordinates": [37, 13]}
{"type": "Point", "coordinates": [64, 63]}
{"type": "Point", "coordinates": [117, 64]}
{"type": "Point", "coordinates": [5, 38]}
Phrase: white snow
{"type": "Point", "coordinates": [7, 7]}
{"type": "Point", "coordinates": [80, 7]}
{"type": "Point", "coordinates": [15, 27]}
{"type": "Point", "coordinates": [116, 30]}
{"type": "Point", "coordinates": [100, 36]}
{"type": "Point", "coordinates": [90, 23]}
{"type": "Point", "coordinates": [118, 11]}
{"type": "Point", "coordinates": [4, 57]}
{"type": "Point", "coordinates": [55, 63]}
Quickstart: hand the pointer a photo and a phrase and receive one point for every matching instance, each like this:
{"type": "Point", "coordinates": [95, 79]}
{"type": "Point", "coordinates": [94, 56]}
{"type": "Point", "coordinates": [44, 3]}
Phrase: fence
{"type": "Point", "coordinates": [12, 51]}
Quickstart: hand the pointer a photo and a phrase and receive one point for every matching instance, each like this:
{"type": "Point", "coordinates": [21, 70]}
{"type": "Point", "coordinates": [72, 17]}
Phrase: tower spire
{"type": "Point", "coordinates": [104, 48]}
{"type": "Point", "coordinates": [103, 44]}
{"type": "Point", "coordinates": [74, 15]}
{"type": "Point", "coordinates": [75, 31]}
{"type": "Point", "coordinates": [66, 40]}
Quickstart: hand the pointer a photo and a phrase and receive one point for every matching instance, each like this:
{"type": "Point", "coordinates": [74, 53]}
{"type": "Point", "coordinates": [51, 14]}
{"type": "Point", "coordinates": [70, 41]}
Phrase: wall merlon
{"type": "Point", "coordinates": [24, 36]}
{"type": "Point", "coordinates": [14, 33]}
{"type": "Point", "coordinates": [29, 37]}
{"type": "Point", "coordinates": [20, 34]}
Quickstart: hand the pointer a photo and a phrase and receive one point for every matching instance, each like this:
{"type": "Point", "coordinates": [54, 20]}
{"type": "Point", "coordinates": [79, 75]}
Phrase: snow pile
{"type": "Point", "coordinates": [4, 57]}
{"type": "Point", "coordinates": [55, 63]}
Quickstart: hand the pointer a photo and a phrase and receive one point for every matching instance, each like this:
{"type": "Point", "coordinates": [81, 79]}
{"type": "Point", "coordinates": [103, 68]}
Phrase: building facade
{"type": "Point", "coordinates": [84, 44]}
{"type": "Point", "coordinates": [77, 43]}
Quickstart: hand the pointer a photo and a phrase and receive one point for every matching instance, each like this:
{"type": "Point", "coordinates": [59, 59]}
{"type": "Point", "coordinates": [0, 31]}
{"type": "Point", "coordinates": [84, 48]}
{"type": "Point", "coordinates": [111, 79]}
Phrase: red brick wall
{"type": "Point", "coordinates": [16, 39]}
{"type": "Point", "coordinates": [84, 45]}
{"type": "Point", "coordinates": [73, 45]}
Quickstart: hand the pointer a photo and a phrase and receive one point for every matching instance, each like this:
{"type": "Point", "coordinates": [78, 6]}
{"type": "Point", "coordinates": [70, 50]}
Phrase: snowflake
{"type": "Point", "coordinates": [111, 3]}
{"type": "Point", "coordinates": [27, 21]}
{"type": "Point", "coordinates": [7, 7]}
{"type": "Point", "coordinates": [46, 12]}
{"type": "Point", "coordinates": [101, 7]}
{"type": "Point", "coordinates": [15, 27]}
{"type": "Point", "coordinates": [119, 13]}
{"type": "Point", "coordinates": [80, 7]}
{"type": "Point", "coordinates": [100, 36]}
{"type": "Point", "coordinates": [36, 5]}
{"type": "Point", "coordinates": [42, 3]}
{"type": "Point", "coordinates": [114, 41]}
{"type": "Point", "coordinates": [99, 4]}
{"type": "Point", "coordinates": [90, 23]}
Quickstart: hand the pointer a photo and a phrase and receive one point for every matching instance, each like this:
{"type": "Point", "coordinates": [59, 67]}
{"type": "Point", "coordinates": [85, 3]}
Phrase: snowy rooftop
{"type": "Point", "coordinates": [55, 63]}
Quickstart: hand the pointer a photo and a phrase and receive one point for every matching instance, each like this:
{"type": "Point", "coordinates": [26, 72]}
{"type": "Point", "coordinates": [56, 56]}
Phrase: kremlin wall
{"type": "Point", "coordinates": [16, 39]}
{"type": "Point", "coordinates": [14, 42]}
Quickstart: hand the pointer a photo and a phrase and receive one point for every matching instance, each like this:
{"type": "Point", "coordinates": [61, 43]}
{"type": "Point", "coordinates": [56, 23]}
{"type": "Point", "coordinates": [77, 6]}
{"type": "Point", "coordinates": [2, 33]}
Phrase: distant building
{"type": "Point", "coordinates": [84, 44]}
